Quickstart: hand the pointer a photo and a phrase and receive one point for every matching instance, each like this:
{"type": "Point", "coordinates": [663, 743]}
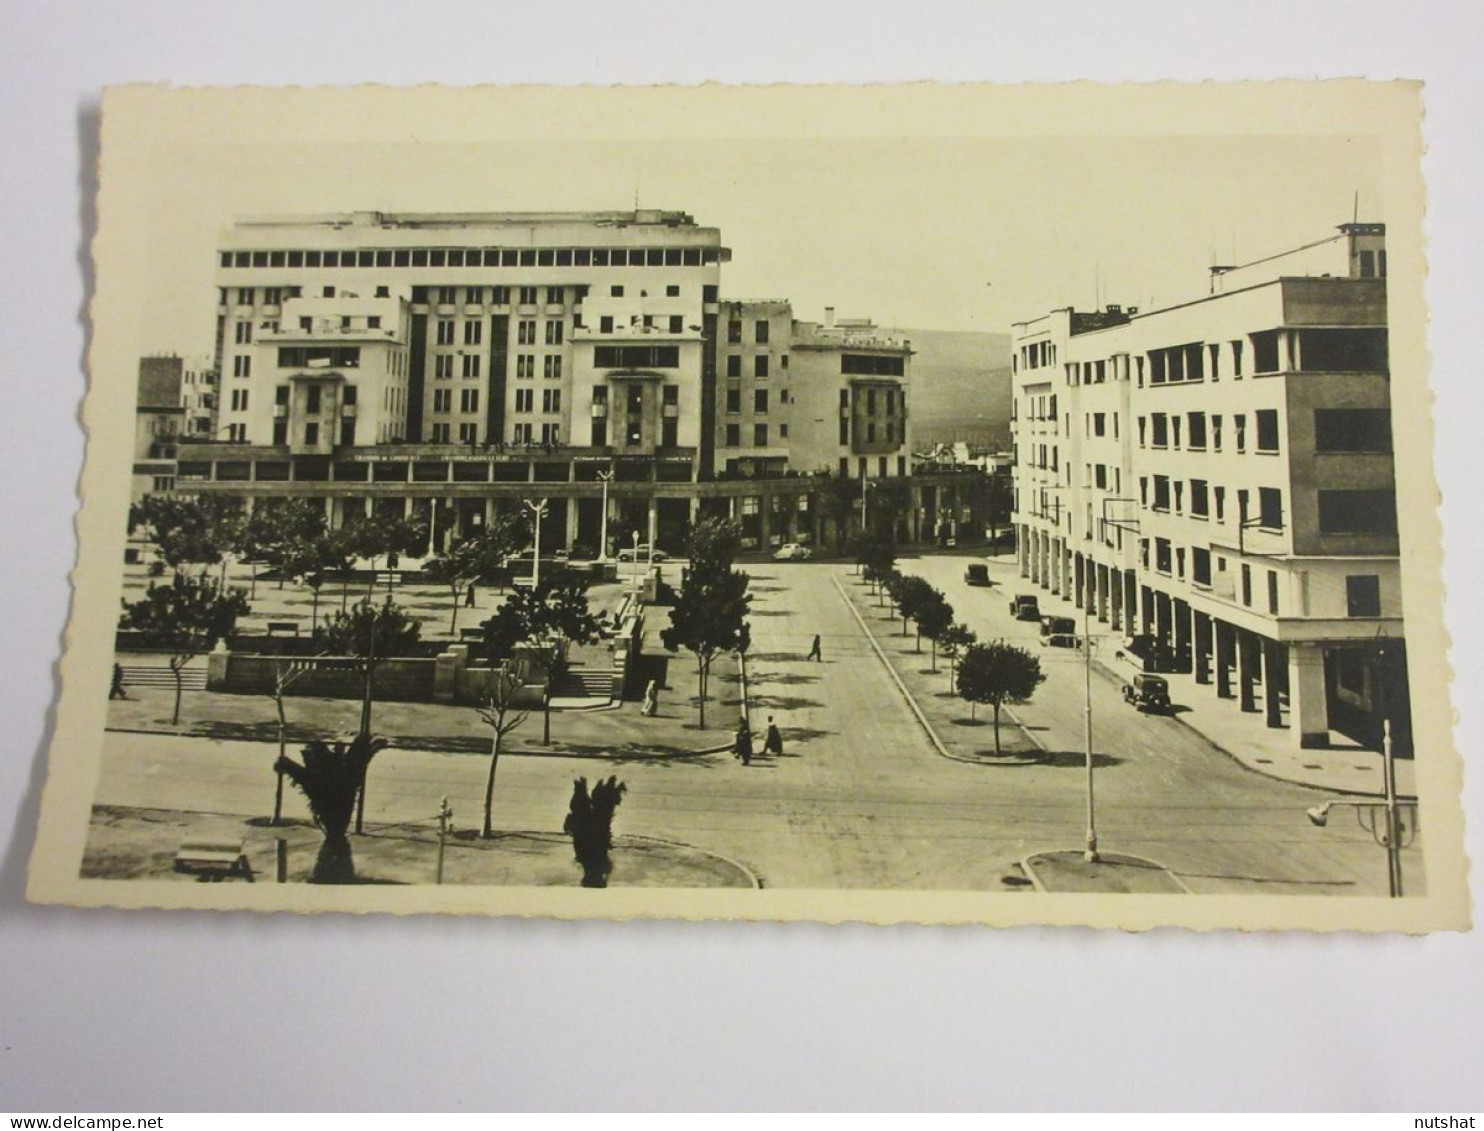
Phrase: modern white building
{"type": "Point", "coordinates": [1218, 474]}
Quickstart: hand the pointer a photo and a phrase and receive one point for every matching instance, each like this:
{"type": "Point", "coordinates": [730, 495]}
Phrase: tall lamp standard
{"type": "Point", "coordinates": [1090, 853]}
{"type": "Point", "coordinates": [604, 477]}
{"type": "Point", "coordinates": [538, 512]}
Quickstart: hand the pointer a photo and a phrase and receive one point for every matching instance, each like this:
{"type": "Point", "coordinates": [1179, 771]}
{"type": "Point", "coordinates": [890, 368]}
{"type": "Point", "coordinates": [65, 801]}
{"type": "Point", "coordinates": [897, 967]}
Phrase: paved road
{"type": "Point", "coordinates": [860, 799]}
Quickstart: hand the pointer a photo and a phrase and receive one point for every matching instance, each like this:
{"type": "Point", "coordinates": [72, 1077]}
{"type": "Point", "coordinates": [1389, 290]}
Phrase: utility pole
{"type": "Point", "coordinates": [445, 823]}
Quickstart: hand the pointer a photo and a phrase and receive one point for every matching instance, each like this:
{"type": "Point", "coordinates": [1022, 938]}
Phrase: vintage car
{"type": "Point", "coordinates": [1060, 640]}
{"type": "Point", "coordinates": [791, 552]}
{"type": "Point", "coordinates": [1058, 626]}
{"type": "Point", "coordinates": [641, 553]}
{"type": "Point", "coordinates": [976, 573]}
{"type": "Point", "coordinates": [1024, 606]}
{"type": "Point", "coordinates": [1147, 693]}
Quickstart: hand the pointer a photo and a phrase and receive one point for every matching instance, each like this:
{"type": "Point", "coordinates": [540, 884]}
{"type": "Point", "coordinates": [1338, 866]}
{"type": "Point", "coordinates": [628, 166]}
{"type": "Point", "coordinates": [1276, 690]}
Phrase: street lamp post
{"type": "Point", "coordinates": [636, 562]}
{"type": "Point", "coordinates": [1090, 853]}
{"type": "Point", "coordinates": [538, 512]}
{"type": "Point", "coordinates": [604, 477]}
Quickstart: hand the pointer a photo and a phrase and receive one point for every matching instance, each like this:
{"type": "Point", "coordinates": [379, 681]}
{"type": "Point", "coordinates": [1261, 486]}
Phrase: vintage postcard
{"type": "Point", "coordinates": [940, 504]}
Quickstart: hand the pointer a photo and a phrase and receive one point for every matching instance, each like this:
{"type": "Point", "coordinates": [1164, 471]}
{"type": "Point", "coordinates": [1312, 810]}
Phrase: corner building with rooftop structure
{"type": "Point", "coordinates": [447, 366]}
{"type": "Point", "coordinates": [1219, 474]}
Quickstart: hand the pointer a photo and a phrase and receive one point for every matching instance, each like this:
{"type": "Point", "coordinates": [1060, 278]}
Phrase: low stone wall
{"type": "Point", "coordinates": [409, 680]}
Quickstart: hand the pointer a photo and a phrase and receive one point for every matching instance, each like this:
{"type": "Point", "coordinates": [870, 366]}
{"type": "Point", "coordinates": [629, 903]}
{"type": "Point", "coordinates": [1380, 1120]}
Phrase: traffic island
{"type": "Point", "coordinates": [1113, 873]}
{"type": "Point", "coordinates": [127, 843]}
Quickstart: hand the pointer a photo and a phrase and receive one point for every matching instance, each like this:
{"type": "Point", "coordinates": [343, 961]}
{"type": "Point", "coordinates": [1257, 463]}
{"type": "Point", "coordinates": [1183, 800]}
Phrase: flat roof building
{"type": "Point", "coordinates": [1219, 474]}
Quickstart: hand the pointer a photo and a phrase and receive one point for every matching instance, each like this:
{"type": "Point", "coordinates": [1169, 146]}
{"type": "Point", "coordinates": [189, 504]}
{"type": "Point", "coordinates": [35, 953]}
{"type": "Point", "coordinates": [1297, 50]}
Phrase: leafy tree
{"type": "Point", "coordinates": [590, 825]}
{"type": "Point", "coordinates": [553, 610]}
{"type": "Point", "coordinates": [998, 674]}
{"type": "Point", "coordinates": [188, 530]}
{"type": "Point", "coordinates": [890, 500]}
{"type": "Point", "coordinates": [369, 635]}
{"type": "Point", "coordinates": [188, 617]}
{"type": "Point", "coordinates": [954, 640]}
{"type": "Point", "coordinates": [333, 552]}
{"type": "Point", "coordinates": [892, 584]}
{"type": "Point", "coordinates": [385, 536]}
{"type": "Point", "coordinates": [913, 596]}
{"type": "Point", "coordinates": [500, 714]}
{"type": "Point", "coordinates": [285, 533]}
{"type": "Point", "coordinates": [331, 777]}
{"type": "Point", "coordinates": [477, 559]}
{"type": "Point", "coordinates": [710, 614]}
{"type": "Point", "coordinates": [934, 618]}
{"type": "Point", "coordinates": [877, 559]}
{"type": "Point", "coordinates": [839, 498]}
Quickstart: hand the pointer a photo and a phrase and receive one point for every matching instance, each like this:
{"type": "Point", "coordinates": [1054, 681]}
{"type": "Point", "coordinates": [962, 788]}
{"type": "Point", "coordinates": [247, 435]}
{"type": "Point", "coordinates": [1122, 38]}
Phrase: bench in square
{"type": "Point", "coordinates": [287, 627]}
{"type": "Point", "coordinates": [214, 860]}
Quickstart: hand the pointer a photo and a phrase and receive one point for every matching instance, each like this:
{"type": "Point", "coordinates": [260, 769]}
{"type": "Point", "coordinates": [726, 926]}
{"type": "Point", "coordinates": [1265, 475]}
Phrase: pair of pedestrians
{"type": "Point", "coordinates": [772, 741]}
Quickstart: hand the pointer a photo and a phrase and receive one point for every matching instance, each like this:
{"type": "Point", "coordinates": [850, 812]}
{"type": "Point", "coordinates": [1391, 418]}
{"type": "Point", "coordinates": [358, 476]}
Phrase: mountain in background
{"type": "Point", "coordinates": [960, 386]}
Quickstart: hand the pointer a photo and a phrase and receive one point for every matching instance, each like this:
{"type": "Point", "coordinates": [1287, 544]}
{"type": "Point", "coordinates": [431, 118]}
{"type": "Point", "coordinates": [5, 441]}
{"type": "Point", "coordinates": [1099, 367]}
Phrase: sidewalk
{"type": "Point", "coordinates": [619, 733]}
{"type": "Point", "coordinates": [1244, 736]}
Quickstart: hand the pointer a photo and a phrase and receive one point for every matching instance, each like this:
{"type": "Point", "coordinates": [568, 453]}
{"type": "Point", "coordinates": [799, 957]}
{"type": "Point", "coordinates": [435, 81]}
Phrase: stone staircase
{"type": "Point", "coordinates": [579, 682]}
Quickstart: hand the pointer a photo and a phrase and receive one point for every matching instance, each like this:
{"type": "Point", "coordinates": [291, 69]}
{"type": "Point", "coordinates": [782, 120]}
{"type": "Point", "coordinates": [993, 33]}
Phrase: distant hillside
{"type": "Point", "coordinates": [960, 386]}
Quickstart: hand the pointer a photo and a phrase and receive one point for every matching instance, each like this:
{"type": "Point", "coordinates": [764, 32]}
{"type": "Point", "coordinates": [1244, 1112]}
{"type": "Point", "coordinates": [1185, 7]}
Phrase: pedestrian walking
{"type": "Point", "coordinates": [743, 747]}
{"type": "Point", "coordinates": [651, 700]}
{"type": "Point", "coordinates": [469, 598]}
{"type": "Point", "coordinates": [814, 651]}
{"type": "Point", "coordinates": [116, 689]}
{"type": "Point", "coordinates": [773, 740]}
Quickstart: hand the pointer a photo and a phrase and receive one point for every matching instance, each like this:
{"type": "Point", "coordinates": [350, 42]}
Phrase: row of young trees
{"type": "Point", "coordinates": [996, 673]}
{"type": "Point", "coordinates": [710, 613]}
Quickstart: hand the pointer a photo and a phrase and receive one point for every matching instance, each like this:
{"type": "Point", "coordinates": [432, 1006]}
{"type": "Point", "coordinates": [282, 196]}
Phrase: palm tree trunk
{"type": "Point", "coordinates": [335, 863]}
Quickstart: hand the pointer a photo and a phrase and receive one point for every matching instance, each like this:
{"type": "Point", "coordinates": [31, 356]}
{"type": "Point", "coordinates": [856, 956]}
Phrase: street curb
{"type": "Point", "coordinates": [757, 881]}
{"type": "Point", "coordinates": [911, 699]}
{"type": "Point", "coordinates": [1025, 866]}
{"type": "Point", "coordinates": [891, 671]}
{"type": "Point", "coordinates": [702, 753]}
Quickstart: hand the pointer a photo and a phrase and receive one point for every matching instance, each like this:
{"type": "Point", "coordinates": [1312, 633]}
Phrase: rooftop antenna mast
{"type": "Point", "coordinates": [1355, 211]}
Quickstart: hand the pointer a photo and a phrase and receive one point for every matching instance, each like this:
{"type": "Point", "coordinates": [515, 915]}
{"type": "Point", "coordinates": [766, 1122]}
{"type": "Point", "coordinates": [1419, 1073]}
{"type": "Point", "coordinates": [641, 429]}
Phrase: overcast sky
{"type": "Point", "coordinates": [952, 233]}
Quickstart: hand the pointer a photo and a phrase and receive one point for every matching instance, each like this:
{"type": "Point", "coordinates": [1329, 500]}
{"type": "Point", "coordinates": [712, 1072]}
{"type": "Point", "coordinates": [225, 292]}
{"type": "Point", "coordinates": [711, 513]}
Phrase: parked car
{"type": "Point", "coordinates": [1057, 626]}
{"type": "Point", "coordinates": [791, 552]}
{"type": "Point", "coordinates": [1147, 693]}
{"type": "Point", "coordinates": [581, 553]}
{"type": "Point", "coordinates": [1023, 606]}
{"type": "Point", "coordinates": [642, 553]}
{"type": "Point", "coordinates": [1061, 640]}
{"type": "Point", "coordinates": [976, 573]}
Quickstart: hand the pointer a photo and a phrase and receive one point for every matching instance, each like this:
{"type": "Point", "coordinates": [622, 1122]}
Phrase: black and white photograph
{"type": "Point", "coordinates": [1002, 505]}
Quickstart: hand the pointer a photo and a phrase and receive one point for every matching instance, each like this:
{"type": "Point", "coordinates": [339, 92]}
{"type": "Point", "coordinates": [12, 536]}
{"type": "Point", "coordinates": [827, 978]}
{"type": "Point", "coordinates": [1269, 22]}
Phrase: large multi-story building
{"type": "Point", "coordinates": [1218, 473]}
{"type": "Point", "coordinates": [447, 365]}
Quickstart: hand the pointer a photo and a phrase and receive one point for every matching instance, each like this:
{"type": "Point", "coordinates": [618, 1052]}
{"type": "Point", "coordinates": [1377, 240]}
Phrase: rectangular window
{"type": "Point", "coordinates": [442, 400]}
{"type": "Point", "coordinates": [1357, 512]}
{"type": "Point", "coordinates": [734, 365]}
{"type": "Point", "coordinates": [1273, 592]}
{"type": "Point", "coordinates": [1352, 430]}
{"type": "Point", "coordinates": [1159, 430]}
{"type": "Point", "coordinates": [445, 331]}
{"type": "Point", "coordinates": [469, 400]}
{"type": "Point", "coordinates": [525, 365]}
{"type": "Point", "coordinates": [281, 395]}
{"type": "Point", "coordinates": [468, 433]}
{"type": "Point", "coordinates": [242, 365]}
{"type": "Point", "coordinates": [312, 400]}
{"type": "Point", "coordinates": [502, 296]}
{"type": "Point", "coordinates": [1270, 508]}
{"type": "Point", "coordinates": [551, 433]}
{"type": "Point", "coordinates": [872, 365]}
{"type": "Point", "coordinates": [554, 333]}
{"type": "Point", "coordinates": [244, 333]}
{"type": "Point", "coordinates": [1099, 424]}
{"type": "Point", "coordinates": [1196, 422]}
{"type": "Point", "coordinates": [677, 324]}
{"type": "Point", "coordinates": [443, 366]}
{"type": "Point", "coordinates": [551, 400]}
{"type": "Point", "coordinates": [1264, 351]}
{"type": "Point", "coordinates": [1161, 492]}
{"type": "Point", "coordinates": [552, 366]}
{"type": "Point", "coordinates": [760, 400]}
{"type": "Point", "coordinates": [471, 365]}
{"type": "Point", "coordinates": [348, 431]}
{"type": "Point", "coordinates": [636, 357]}
{"type": "Point", "coordinates": [1199, 498]}
{"type": "Point", "coordinates": [440, 433]}
{"type": "Point", "coordinates": [526, 333]}
{"type": "Point", "coordinates": [1239, 424]}
{"type": "Point", "coordinates": [760, 365]}
{"type": "Point", "coordinates": [760, 435]}
{"type": "Point", "coordinates": [280, 431]}
{"type": "Point", "coordinates": [760, 332]}
{"type": "Point", "coordinates": [1342, 351]}
{"type": "Point", "coordinates": [605, 324]}
{"type": "Point", "coordinates": [473, 331]}
{"type": "Point", "coordinates": [1267, 430]}
{"type": "Point", "coordinates": [1246, 584]}
{"type": "Point", "coordinates": [528, 296]}
{"type": "Point", "coordinates": [446, 295]}
{"type": "Point", "coordinates": [1236, 359]}
{"type": "Point", "coordinates": [734, 435]}
{"type": "Point", "coordinates": [525, 400]}
{"type": "Point", "coordinates": [734, 331]}
{"type": "Point", "coordinates": [672, 290]}
{"type": "Point", "coordinates": [311, 434]}
{"type": "Point", "coordinates": [1363, 595]}
{"type": "Point", "coordinates": [1200, 566]}
{"type": "Point", "coordinates": [734, 400]}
